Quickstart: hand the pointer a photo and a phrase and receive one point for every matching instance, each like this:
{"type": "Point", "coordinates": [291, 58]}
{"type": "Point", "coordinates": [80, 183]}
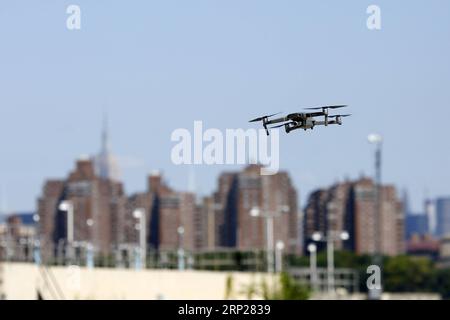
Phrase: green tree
{"type": "Point", "coordinates": [441, 282]}
{"type": "Point", "coordinates": [407, 274]}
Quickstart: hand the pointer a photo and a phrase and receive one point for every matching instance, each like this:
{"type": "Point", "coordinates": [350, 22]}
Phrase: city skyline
{"type": "Point", "coordinates": [145, 63]}
{"type": "Point", "coordinates": [103, 215]}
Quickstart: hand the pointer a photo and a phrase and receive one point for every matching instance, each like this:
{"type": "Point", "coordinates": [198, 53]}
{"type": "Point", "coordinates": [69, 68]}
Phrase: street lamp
{"type": "Point", "coordinates": [377, 140]}
{"type": "Point", "coordinates": [139, 214]}
{"type": "Point", "coordinates": [279, 256]}
{"type": "Point", "coordinates": [180, 231]}
{"type": "Point", "coordinates": [268, 216]}
{"type": "Point", "coordinates": [344, 236]}
{"type": "Point", "coordinates": [254, 212]}
{"type": "Point", "coordinates": [89, 222]}
{"type": "Point", "coordinates": [36, 241]}
{"type": "Point", "coordinates": [329, 239]}
{"type": "Point", "coordinates": [37, 252]}
{"type": "Point", "coordinates": [312, 249]}
{"type": "Point", "coordinates": [316, 236]}
{"type": "Point", "coordinates": [67, 205]}
{"type": "Point", "coordinates": [89, 256]}
{"type": "Point", "coordinates": [89, 247]}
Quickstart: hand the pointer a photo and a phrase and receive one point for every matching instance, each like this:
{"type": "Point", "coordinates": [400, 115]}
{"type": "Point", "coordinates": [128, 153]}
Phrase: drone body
{"type": "Point", "coordinates": [303, 120]}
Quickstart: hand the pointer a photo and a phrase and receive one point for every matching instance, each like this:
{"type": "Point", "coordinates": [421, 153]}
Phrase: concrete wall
{"type": "Point", "coordinates": [23, 281]}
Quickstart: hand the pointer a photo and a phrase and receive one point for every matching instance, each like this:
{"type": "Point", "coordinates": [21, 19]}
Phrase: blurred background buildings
{"type": "Point", "coordinates": [86, 218]}
{"type": "Point", "coordinates": [350, 206]}
{"type": "Point", "coordinates": [104, 220]}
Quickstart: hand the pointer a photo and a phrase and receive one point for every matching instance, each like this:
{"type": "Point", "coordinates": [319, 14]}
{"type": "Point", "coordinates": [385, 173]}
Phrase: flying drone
{"type": "Point", "coordinates": [303, 120]}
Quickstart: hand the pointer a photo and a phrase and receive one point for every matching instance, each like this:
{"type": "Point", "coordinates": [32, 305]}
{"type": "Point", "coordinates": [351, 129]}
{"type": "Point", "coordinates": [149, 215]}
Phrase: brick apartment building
{"type": "Point", "coordinates": [350, 206]}
{"type": "Point", "coordinates": [99, 208]}
{"type": "Point", "coordinates": [17, 237]}
{"type": "Point", "coordinates": [166, 211]}
{"type": "Point", "coordinates": [98, 201]}
{"type": "Point", "coordinates": [237, 194]}
{"type": "Point", "coordinates": [103, 214]}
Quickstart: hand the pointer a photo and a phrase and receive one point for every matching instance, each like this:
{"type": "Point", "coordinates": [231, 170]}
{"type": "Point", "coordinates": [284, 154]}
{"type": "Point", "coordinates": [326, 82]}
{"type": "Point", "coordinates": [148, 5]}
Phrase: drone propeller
{"type": "Point", "coordinates": [336, 106]}
{"type": "Point", "coordinates": [340, 115]}
{"type": "Point", "coordinates": [264, 117]}
{"type": "Point", "coordinates": [327, 107]}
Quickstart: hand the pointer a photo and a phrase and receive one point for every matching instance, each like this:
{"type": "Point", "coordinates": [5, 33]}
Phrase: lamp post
{"type": "Point", "coordinates": [268, 217]}
{"type": "Point", "coordinates": [89, 247]}
{"type": "Point", "coordinates": [139, 214]}
{"type": "Point", "coordinates": [377, 140]}
{"type": "Point", "coordinates": [36, 241]}
{"type": "Point", "coordinates": [312, 249]}
{"type": "Point", "coordinates": [37, 252]}
{"type": "Point", "coordinates": [279, 256]}
{"type": "Point", "coordinates": [67, 206]}
{"type": "Point", "coordinates": [329, 239]}
{"type": "Point", "coordinates": [180, 252]}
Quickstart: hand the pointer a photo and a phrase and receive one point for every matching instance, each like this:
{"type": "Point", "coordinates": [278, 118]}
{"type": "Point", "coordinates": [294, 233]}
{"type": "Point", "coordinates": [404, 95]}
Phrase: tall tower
{"type": "Point", "coordinates": [105, 162]}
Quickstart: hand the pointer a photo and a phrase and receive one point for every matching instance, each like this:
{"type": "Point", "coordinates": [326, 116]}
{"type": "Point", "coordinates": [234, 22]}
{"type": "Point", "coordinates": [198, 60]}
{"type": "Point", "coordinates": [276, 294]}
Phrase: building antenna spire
{"type": "Point", "coordinates": [106, 147]}
{"type": "Point", "coordinates": [106, 163]}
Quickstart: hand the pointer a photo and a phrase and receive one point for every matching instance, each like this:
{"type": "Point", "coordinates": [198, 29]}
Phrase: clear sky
{"type": "Point", "coordinates": [155, 66]}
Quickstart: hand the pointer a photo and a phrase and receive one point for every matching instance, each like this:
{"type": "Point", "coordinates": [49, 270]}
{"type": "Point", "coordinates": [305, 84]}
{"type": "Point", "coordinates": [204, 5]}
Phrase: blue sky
{"type": "Point", "coordinates": [155, 66]}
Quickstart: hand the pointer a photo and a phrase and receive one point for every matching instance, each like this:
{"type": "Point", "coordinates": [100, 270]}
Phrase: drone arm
{"type": "Point", "coordinates": [278, 120]}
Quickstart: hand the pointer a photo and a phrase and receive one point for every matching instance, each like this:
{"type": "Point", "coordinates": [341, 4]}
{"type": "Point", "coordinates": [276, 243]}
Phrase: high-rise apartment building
{"type": "Point", "coordinates": [98, 201]}
{"type": "Point", "coordinates": [351, 207]}
{"type": "Point", "coordinates": [442, 207]}
{"type": "Point", "coordinates": [170, 216]}
{"type": "Point", "coordinates": [98, 209]}
{"type": "Point", "coordinates": [240, 192]}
